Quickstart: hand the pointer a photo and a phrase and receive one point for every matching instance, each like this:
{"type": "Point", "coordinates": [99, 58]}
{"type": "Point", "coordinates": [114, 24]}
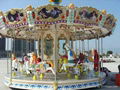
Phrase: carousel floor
{"type": "Point", "coordinates": [26, 82]}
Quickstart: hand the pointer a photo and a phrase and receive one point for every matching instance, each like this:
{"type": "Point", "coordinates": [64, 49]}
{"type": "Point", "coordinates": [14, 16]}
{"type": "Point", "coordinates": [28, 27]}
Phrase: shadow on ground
{"type": "Point", "coordinates": [18, 89]}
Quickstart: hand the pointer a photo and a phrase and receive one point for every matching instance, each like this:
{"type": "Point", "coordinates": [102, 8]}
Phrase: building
{"type": "Point", "coordinates": [19, 47]}
{"type": "Point", "coordinates": [2, 44]}
{"type": "Point", "coordinates": [2, 47]}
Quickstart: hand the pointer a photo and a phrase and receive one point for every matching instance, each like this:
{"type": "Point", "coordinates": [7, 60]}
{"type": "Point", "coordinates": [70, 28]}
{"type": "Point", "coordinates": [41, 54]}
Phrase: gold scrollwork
{"type": "Point", "coordinates": [48, 48]}
{"type": "Point", "coordinates": [61, 40]}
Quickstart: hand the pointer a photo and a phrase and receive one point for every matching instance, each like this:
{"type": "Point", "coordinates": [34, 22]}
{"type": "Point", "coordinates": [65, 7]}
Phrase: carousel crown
{"type": "Point", "coordinates": [88, 22]}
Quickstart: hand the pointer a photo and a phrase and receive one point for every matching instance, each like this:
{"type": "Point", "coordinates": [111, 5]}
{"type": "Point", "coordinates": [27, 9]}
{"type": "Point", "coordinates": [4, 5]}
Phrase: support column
{"type": "Point", "coordinates": [13, 52]}
{"type": "Point", "coordinates": [76, 46]}
{"type": "Point", "coordinates": [96, 44]}
{"type": "Point", "coordinates": [98, 49]}
{"type": "Point", "coordinates": [22, 49]}
{"type": "Point", "coordinates": [56, 53]}
{"type": "Point", "coordinates": [88, 45]}
{"type": "Point", "coordinates": [83, 46]}
{"type": "Point", "coordinates": [42, 47]}
{"type": "Point", "coordinates": [38, 47]}
{"type": "Point", "coordinates": [55, 84]}
{"type": "Point", "coordinates": [79, 47]}
{"type": "Point", "coordinates": [56, 57]}
{"type": "Point", "coordinates": [101, 52]}
{"type": "Point", "coordinates": [71, 43]}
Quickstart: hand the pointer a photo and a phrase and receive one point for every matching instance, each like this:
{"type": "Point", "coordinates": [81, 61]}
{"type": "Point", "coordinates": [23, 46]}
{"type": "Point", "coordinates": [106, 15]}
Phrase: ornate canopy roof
{"type": "Point", "coordinates": [82, 23]}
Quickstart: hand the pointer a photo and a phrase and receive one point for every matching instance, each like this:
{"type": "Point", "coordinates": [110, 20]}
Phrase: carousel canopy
{"type": "Point", "coordinates": [82, 23]}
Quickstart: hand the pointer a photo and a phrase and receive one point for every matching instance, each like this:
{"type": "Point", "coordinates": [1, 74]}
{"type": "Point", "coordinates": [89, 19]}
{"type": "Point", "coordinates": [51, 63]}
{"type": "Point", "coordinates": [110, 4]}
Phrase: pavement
{"type": "Point", "coordinates": [3, 71]}
{"type": "Point", "coordinates": [110, 84]}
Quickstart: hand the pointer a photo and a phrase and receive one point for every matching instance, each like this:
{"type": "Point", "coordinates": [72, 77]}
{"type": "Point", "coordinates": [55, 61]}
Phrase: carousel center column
{"type": "Point", "coordinates": [55, 84]}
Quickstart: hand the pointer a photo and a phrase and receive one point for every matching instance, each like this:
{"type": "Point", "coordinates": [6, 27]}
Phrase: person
{"type": "Point", "coordinates": [106, 71]}
{"type": "Point", "coordinates": [119, 68]}
{"type": "Point", "coordinates": [96, 60]}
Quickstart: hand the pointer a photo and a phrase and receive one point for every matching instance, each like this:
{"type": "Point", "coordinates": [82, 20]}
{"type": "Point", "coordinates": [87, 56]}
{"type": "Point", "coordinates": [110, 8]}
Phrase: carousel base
{"type": "Point", "coordinates": [70, 84]}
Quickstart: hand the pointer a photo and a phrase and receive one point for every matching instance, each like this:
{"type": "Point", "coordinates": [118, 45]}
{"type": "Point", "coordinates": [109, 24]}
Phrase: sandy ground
{"type": "Point", "coordinates": [110, 85]}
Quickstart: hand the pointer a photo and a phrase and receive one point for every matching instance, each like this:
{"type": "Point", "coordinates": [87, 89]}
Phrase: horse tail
{"type": "Point", "coordinates": [74, 55]}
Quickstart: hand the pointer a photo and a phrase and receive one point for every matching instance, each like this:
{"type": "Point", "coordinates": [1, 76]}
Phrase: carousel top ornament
{"type": "Point", "coordinates": [72, 6]}
{"type": "Point", "coordinates": [82, 23]}
{"type": "Point", "coordinates": [55, 2]}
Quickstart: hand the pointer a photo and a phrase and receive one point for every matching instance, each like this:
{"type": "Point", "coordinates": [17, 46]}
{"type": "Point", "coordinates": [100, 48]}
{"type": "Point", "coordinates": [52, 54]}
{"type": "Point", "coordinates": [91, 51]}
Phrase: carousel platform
{"type": "Point", "coordinates": [47, 84]}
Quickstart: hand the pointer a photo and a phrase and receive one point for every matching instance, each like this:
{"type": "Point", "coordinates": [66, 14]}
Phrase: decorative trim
{"type": "Point", "coordinates": [68, 86]}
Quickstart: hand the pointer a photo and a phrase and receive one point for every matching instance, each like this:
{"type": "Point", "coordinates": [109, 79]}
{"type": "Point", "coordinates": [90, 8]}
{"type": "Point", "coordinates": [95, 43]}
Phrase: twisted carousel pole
{"type": "Point", "coordinates": [76, 48]}
{"type": "Point", "coordinates": [42, 46]}
{"type": "Point", "coordinates": [79, 45]}
{"type": "Point", "coordinates": [88, 45]}
{"type": "Point", "coordinates": [102, 52]}
{"type": "Point", "coordinates": [83, 47]}
{"type": "Point", "coordinates": [71, 43]}
{"type": "Point", "coordinates": [98, 49]}
{"type": "Point", "coordinates": [7, 40]}
{"type": "Point", "coordinates": [38, 47]}
{"type": "Point", "coordinates": [99, 75]}
{"type": "Point", "coordinates": [96, 44]}
{"type": "Point", "coordinates": [7, 58]}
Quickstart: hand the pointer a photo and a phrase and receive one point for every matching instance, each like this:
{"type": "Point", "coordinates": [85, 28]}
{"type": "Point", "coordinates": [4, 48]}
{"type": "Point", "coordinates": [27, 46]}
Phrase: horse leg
{"type": "Point", "coordinates": [64, 67]}
{"type": "Point", "coordinates": [50, 68]}
{"type": "Point", "coordinates": [21, 67]}
{"type": "Point", "coordinates": [27, 67]}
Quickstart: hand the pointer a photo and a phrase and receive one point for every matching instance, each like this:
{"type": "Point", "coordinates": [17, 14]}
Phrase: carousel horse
{"type": "Point", "coordinates": [37, 65]}
{"type": "Point", "coordinates": [33, 61]}
{"type": "Point", "coordinates": [26, 64]}
{"type": "Point", "coordinates": [33, 58]}
{"type": "Point", "coordinates": [82, 67]}
{"type": "Point", "coordinates": [45, 66]}
{"type": "Point", "coordinates": [71, 57]}
{"type": "Point", "coordinates": [81, 58]}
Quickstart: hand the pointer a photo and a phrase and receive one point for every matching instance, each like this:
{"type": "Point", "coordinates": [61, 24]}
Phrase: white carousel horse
{"type": "Point", "coordinates": [14, 65]}
{"type": "Point", "coordinates": [29, 65]}
{"type": "Point", "coordinates": [14, 62]}
{"type": "Point", "coordinates": [26, 65]}
{"type": "Point", "coordinates": [71, 58]}
{"type": "Point", "coordinates": [45, 67]}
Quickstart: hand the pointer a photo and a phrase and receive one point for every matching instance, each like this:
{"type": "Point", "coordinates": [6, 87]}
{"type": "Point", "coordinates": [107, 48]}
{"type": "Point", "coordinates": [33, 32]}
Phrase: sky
{"type": "Point", "coordinates": [112, 7]}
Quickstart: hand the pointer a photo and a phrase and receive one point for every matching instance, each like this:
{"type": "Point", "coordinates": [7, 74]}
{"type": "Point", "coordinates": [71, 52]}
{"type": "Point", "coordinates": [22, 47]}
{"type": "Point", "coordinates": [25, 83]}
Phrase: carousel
{"type": "Point", "coordinates": [61, 61]}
